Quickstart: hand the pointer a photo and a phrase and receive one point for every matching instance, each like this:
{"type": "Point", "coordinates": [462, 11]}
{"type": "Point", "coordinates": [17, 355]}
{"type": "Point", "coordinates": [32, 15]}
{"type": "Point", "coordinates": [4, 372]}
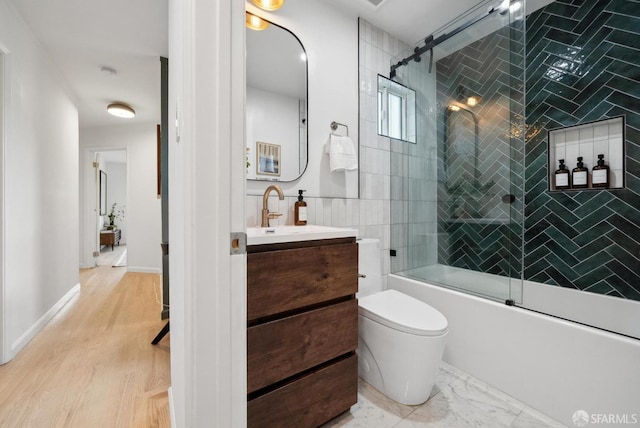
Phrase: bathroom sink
{"type": "Point", "coordinates": [278, 234]}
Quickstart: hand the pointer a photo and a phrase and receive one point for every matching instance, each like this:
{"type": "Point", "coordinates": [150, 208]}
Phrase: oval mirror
{"type": "Point", "coordinates": [276, 104]}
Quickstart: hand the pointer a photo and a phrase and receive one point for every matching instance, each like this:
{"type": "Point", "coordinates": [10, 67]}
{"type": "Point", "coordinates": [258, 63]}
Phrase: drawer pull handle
{"type": "Point", "coordinates": [361, 275]}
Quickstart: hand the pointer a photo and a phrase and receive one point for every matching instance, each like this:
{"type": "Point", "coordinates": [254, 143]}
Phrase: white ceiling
{"type": "Point", "coordinates": [413, 20]}
{"type": "Point", "coordinates": [409, 20]}
{"type": "Point", "coordinates": [84, 35]}
{"type": "Point", "coordinates": [130, 36]}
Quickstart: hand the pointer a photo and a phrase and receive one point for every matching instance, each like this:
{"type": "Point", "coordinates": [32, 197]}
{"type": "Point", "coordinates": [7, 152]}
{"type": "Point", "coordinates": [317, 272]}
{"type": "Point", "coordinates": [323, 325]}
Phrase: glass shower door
{"type": "Point", "coordinates": [457, 193]}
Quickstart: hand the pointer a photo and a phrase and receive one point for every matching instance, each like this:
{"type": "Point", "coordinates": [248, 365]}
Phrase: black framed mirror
{"type": "Point", "coordinates": [103, 193]}
{"type": "Point", "coordinates": [276, 103]}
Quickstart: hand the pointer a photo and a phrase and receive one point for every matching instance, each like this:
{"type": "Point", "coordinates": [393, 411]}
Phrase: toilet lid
{"type": "Point", "coordinates": [403, 313]}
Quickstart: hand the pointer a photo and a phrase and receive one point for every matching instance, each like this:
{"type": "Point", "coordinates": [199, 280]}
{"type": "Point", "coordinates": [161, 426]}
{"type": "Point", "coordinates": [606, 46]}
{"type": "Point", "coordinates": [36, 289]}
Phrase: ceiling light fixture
{"type": "Point", "coordinates": [121, 110]}
{"type": "Point", "coordinates": [269, 5]}
{"type": "Point", "coordinates": [255, 22]}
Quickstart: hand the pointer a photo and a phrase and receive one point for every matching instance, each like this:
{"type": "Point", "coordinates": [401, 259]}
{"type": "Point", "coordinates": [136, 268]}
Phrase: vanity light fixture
{"type": "Point", "coordinates": [269, 5]}
{"type": "Point", "coordinates": [454, 107]}
{"type": "Point", "coordinates": [255, 22]}
{"type": "Point", "coordinates": [472, 101]}
{"type": "Point", "coordinates": [121, 110]}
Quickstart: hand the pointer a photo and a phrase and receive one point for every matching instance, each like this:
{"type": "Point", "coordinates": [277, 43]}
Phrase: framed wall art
{"type": "Point", "coordinates": [268, 158]}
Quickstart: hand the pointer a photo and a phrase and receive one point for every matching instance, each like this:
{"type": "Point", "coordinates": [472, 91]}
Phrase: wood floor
{"type": "Point", "coordinates": [93, 364]}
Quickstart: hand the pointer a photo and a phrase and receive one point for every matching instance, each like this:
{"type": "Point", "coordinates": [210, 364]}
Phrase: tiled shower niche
{"type": "Point", "coordinates": [589, 140]}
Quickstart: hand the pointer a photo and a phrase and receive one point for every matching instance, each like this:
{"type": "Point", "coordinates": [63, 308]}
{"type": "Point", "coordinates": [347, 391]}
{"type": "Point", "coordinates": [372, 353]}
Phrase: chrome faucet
{"type": "Point", "coordinates": [266, 215]}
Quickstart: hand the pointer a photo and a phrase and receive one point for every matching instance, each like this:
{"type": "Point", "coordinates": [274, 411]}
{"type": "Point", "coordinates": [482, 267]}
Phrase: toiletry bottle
{"type": "Point", "coordinates": [562, 176]}
{"type": "Point", "coordinates": [300, 210]}
{"type": "Point", "coordinates": [580, 176]}
{"type": "Point", "coordinates": [600, 175]}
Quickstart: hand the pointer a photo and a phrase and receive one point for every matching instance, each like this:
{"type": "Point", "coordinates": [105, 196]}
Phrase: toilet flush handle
{"type": "Point", "coordinates": [361, 275]}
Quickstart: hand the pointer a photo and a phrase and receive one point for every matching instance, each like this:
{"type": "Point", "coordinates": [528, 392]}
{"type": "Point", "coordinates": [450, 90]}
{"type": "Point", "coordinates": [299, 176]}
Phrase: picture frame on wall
{"type": "Point", "coordinates": [268, 158]}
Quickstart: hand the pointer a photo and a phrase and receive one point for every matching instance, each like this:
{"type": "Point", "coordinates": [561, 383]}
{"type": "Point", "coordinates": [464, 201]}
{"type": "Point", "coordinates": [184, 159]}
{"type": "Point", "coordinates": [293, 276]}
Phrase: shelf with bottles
{"type": "Point", "coordinates": [587, 156]}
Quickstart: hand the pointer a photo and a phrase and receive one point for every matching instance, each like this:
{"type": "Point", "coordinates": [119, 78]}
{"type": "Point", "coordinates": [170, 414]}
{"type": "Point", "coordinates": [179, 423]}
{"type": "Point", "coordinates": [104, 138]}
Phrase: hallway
{"type": "Point", "coordinates": [93, 364]}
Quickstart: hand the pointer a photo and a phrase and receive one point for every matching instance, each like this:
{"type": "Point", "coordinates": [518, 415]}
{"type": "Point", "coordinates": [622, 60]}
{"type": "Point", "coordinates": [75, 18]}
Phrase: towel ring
{"type": "Point", "coordinates": [334, 126]}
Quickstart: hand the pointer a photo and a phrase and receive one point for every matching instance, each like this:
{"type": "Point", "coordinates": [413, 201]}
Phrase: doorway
{"type": "Point", "coordinates": [112, 183]}
{"type": "Point", "coordinates": [113, 168]}
{"type": "Point", "coordinates": [113, 162]}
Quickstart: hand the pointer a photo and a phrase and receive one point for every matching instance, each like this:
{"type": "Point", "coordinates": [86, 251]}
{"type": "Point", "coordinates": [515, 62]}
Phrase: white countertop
{"type": "Point", "coordinates": [279, 234]}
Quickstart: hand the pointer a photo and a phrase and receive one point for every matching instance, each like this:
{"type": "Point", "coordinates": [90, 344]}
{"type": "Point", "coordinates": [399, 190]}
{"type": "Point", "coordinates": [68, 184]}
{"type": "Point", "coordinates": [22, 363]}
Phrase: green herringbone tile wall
{"type": "Point", "coordinates": [583, 64]}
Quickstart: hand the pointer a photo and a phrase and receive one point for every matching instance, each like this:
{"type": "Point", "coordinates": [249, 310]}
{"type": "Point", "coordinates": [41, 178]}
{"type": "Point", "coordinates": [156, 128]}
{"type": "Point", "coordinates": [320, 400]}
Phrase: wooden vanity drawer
{"type": "Point", "coordinates": [280, 281]}
{"type": "Point", "coordinates": [309, 401]}
{"type": "Point", "coordinates": [279, 349]}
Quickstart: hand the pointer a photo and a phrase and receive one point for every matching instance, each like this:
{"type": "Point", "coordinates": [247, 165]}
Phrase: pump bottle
{"type": "Point", "coordinates": [300, 210]}
{"type": "Point", "coordinates": [579, 176]}
{"type": "Point", "coordinates": [600, 174]}
{"type": "Point", "coordinates": [561, 177]}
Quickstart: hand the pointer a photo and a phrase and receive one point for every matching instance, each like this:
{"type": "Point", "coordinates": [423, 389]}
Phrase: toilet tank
{"type": "Point", "coordinates": [370, 265]}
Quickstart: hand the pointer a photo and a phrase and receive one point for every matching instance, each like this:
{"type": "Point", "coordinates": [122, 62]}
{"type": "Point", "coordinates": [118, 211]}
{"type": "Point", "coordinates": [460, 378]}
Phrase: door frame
{"type": "Point", "coordinates": [89, 202]}
{"type": "Point", "coordinates": [4, 107]}
{"type": "Point", "coordinates": [207, 187]}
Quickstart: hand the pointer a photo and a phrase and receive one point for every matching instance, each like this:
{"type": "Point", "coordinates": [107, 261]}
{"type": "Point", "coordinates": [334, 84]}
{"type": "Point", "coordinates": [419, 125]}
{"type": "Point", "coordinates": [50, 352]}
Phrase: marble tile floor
{"type": "Point", "coordinates": [457, 401]}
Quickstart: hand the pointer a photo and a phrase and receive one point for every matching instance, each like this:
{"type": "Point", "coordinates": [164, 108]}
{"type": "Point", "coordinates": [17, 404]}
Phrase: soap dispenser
{"type": "Point", "coordinates": [600, 175]}
{"type": "Point", "coordinates": [300, 210]}
{"type": "Point", "coordinates": [562, 176]}
{"type": "Point", "coordinates": [579, 176]}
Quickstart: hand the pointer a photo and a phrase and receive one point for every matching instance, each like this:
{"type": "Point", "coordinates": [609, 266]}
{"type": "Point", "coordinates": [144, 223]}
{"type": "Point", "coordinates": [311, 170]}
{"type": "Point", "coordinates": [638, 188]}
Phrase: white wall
{"type": "Point", "coordinates": [41, 186]}
{"type": "Point", "coordinates": [371, 213]}
{"type": "Point", "coordinates": [2, 250]}
{"type": "Point", "coordinates": [142, 206]}
{"type": "Point", "coordinates": [331, 43]}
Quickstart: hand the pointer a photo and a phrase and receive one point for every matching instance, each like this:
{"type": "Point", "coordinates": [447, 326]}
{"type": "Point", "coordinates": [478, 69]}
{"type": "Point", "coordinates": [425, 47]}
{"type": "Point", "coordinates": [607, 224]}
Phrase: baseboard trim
{"type": "Point", "coordinates": [23, 340]}
{"type": "Point", "coordinates": [142, 269]}
{"type": "Point", "coordinates": [172, 414]}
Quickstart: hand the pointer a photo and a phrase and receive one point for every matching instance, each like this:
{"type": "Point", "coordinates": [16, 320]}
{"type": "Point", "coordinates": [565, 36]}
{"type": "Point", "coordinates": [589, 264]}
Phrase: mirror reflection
{"type": "Point", "coordinates": [276, 103]}
{"type": "Point", "coordinates": [103, 193]}
{"type": "Point", "coordinates": [396, 110]}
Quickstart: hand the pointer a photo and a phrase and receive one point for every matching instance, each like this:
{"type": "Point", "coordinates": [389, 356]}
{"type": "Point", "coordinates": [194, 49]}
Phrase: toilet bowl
{"type": "Point", "coordinates": [400, 339]}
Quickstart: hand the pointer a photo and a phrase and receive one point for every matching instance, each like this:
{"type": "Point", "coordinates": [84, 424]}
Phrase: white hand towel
{"type": "Point", "coordinates": [342, 154]}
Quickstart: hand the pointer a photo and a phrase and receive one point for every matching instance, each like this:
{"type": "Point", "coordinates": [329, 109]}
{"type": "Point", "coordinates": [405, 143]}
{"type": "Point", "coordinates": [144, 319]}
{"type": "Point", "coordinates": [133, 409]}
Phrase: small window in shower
{"type": "Point", "coordinates": [396, 110]}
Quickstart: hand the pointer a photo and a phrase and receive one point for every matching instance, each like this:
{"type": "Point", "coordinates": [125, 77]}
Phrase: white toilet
{"type": "Point", "coordinates": [400, 339]}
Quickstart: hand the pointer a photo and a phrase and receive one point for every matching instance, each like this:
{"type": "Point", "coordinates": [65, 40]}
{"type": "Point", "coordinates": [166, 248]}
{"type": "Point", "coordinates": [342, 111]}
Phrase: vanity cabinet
{"type": "Point", "coordinates": [302, 332]}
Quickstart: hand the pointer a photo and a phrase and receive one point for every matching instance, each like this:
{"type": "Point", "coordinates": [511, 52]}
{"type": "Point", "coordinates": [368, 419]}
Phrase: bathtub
{"type": "Point", "coordinates": [553, 365]}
